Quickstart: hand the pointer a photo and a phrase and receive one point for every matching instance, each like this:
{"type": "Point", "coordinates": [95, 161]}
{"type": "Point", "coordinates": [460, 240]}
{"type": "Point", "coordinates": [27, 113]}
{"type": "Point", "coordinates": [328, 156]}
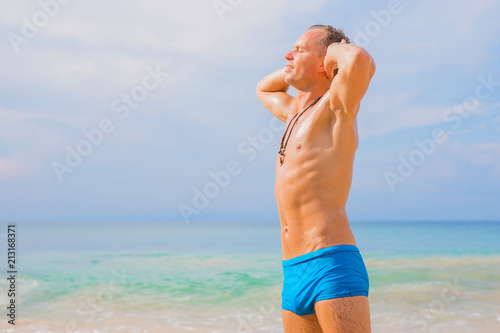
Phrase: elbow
{"type": "Point", "coordinates": [362, 59]}
{"type": "Point", "coordinates": [258, 91]}
{"type": "Point", "coordinates": [372, 67]}
{"type": "Point", "coordinates": [259, 88]}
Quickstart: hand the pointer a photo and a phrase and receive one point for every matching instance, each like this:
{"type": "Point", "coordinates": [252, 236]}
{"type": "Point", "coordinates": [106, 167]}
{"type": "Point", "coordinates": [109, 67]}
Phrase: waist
{"type": "Point", "coordinates": [299, 237]}
{"type": "Point", "coordinates": [319, 253]}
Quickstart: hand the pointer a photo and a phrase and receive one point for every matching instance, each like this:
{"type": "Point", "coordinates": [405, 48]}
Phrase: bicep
{"type": "Point", "coordinates": [351, 83]}
{"type": "Point", "coordinates": [278, 103]}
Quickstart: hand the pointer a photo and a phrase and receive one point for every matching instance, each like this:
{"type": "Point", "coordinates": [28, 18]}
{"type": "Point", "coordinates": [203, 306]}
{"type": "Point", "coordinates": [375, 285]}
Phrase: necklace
{"type": "Point", "coordinates": [294, 120]}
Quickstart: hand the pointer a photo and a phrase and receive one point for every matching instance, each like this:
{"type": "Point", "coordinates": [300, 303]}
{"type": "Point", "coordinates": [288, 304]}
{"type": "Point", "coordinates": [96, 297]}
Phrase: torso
{"type": "Point", "coordinates": [312, 185]}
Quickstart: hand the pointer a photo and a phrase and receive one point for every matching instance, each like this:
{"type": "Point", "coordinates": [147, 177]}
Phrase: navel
{"type": "Point", "coordinates": [299, 146]}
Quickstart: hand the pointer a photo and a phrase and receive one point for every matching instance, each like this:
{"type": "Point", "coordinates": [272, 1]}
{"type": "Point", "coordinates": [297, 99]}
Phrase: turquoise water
{"type": "Point", "coordinates": [226, 277]}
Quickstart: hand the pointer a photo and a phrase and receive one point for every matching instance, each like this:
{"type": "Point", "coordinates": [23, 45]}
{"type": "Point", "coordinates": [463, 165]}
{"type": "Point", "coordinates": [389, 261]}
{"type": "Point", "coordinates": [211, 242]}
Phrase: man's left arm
{"type": "Point", "coordinates": [355, 68]}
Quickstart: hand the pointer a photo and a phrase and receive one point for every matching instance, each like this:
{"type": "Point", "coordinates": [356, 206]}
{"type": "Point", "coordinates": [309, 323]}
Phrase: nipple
{"type": "Point", "coordinates": [299, 146]}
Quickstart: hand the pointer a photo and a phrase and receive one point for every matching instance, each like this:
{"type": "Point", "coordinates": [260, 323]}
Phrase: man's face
{"type": "Point", "coordinates": [305, 59]}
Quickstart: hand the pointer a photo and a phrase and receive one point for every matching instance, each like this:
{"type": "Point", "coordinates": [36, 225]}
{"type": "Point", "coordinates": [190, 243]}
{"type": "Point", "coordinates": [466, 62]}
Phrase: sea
{"type": "Point", "coordinates": [227, 277]}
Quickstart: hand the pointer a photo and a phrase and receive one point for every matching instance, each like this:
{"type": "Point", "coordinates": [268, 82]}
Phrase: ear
{"type": "Point", "coordinates": [321, 67]}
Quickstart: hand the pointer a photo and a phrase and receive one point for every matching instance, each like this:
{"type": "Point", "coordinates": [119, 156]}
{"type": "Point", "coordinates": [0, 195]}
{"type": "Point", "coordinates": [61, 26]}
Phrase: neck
{"type": "Point", "coordinates": [307, 96]}
{"type": "Point", "coordinates": [304, 99]}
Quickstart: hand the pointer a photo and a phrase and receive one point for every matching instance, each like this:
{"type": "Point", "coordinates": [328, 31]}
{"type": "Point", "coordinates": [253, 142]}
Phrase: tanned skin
{"type": "Point", "coordinates": [312, 186]}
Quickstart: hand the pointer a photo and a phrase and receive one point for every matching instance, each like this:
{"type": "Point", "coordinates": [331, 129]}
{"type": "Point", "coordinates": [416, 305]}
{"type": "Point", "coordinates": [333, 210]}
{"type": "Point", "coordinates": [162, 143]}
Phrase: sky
{"type": "Point", "coordinates": [146, 110]}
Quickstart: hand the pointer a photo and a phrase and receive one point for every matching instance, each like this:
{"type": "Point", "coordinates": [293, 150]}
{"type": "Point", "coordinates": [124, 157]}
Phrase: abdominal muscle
{"type": "Point", "coordinates": [310, 222]}
{"type": "Point", "coordinates": [311, 189]}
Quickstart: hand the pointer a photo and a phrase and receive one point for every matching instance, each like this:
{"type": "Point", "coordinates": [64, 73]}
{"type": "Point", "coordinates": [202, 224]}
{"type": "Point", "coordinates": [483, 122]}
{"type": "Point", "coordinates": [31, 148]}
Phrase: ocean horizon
{"type": "Point", "coordinates": [226, 277]}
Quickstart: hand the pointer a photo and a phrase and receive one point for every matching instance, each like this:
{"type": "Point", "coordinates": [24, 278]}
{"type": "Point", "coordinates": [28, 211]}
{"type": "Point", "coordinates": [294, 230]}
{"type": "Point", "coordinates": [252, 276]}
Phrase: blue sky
{"type": "Point", "coordinates": [166, 91]}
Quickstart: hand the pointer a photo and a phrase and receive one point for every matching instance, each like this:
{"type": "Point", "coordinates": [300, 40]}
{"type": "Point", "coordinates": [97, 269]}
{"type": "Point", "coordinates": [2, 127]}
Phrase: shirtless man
{"type": "Point", "coordinates": [325, 285]}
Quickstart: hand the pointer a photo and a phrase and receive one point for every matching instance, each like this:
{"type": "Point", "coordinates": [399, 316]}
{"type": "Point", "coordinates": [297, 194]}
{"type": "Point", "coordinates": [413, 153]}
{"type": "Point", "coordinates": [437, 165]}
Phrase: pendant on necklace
{"type": "Point", "coordinates": [281, 152]}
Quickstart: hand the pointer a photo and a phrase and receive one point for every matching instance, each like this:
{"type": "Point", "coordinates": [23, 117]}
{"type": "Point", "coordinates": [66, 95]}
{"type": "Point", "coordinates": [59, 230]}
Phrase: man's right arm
{"type": "Point", "coordinates": [271, 91]}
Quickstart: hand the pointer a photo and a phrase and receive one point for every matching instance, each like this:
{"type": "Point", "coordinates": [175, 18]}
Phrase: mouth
{"type": "Point", "coordinates": [288, 68]}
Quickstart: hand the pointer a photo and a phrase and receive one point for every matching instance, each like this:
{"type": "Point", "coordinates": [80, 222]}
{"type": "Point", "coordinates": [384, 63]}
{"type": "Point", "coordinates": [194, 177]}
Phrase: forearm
{"type": "Point", "coordinates": [273, 82]}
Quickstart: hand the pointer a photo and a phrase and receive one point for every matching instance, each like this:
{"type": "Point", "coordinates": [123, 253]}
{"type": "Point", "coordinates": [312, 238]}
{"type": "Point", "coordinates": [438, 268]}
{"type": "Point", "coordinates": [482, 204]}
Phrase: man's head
{"type": "Point", "coordinates": [305, 62]}
{"type": "Point", "coordinates": [331, 36]}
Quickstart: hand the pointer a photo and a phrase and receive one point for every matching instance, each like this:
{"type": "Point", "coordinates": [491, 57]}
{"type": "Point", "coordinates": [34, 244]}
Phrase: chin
{"type": "Point", "coordinates": [289, 79]}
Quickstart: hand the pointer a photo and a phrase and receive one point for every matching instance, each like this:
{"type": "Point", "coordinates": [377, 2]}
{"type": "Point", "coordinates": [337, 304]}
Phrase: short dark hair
{"type": "Point", "coordinates": [332, 35]}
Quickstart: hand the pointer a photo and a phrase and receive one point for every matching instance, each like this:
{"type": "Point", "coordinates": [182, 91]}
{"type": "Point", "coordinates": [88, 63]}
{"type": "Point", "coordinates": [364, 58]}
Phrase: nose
{"type": "Point", "coordinates": [289, 55]}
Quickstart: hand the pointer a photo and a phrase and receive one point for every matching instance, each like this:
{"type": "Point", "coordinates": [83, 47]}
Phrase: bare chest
{"type": "Point", "coordinates": [304, 133]}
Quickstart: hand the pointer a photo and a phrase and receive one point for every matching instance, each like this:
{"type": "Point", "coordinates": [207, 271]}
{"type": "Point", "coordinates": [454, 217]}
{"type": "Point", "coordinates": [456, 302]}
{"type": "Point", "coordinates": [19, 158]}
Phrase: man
{"type": "Point", "coordinates": [325, 285]}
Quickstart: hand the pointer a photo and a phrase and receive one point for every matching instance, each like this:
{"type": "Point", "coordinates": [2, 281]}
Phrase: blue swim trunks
{"type": "Point", "coordinates": [332, 272]}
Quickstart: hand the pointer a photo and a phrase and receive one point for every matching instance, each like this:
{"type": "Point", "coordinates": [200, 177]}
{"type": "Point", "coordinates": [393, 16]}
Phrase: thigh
{"type": "Point", "coordinates": [344, 315]}
{"type": "Point", "coordinates": [294, 323]}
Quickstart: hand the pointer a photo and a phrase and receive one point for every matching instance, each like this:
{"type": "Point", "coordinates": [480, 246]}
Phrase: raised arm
{"type": "Point", "coordinates": [355, 70]}
{"type": "Point", "coordinates": [271, 91]}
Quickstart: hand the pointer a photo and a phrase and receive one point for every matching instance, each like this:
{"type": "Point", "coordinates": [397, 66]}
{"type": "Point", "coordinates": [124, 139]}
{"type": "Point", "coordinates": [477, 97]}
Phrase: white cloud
{"type": "Point", "coordinates": [479, 154]}
{"type": "Point", "coordinates": [379, 103]}
{"type": "Point", "coordinates": [66, 77]}
{"type": "Point", "coordinates": [399, 116]}
{"type": "Point", "coordinates": [147, 37]}
{"type": "Point", "coordinates": [417, 51]}
{"type": "Point", "coordinates": [75, 31]}
{"type": "Point", "coordinates": [440, 33]}
{"type": "Point", "coordinates": [67, 69]}
{"type": "Point", "coordinates": [95, 49]}
{"type": "Point", "coordinates": [131, 66]}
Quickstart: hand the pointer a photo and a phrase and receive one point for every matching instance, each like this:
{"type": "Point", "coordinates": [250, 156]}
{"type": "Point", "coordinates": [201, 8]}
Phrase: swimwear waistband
{"type": "Point", "coordinates": [320, 252]}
